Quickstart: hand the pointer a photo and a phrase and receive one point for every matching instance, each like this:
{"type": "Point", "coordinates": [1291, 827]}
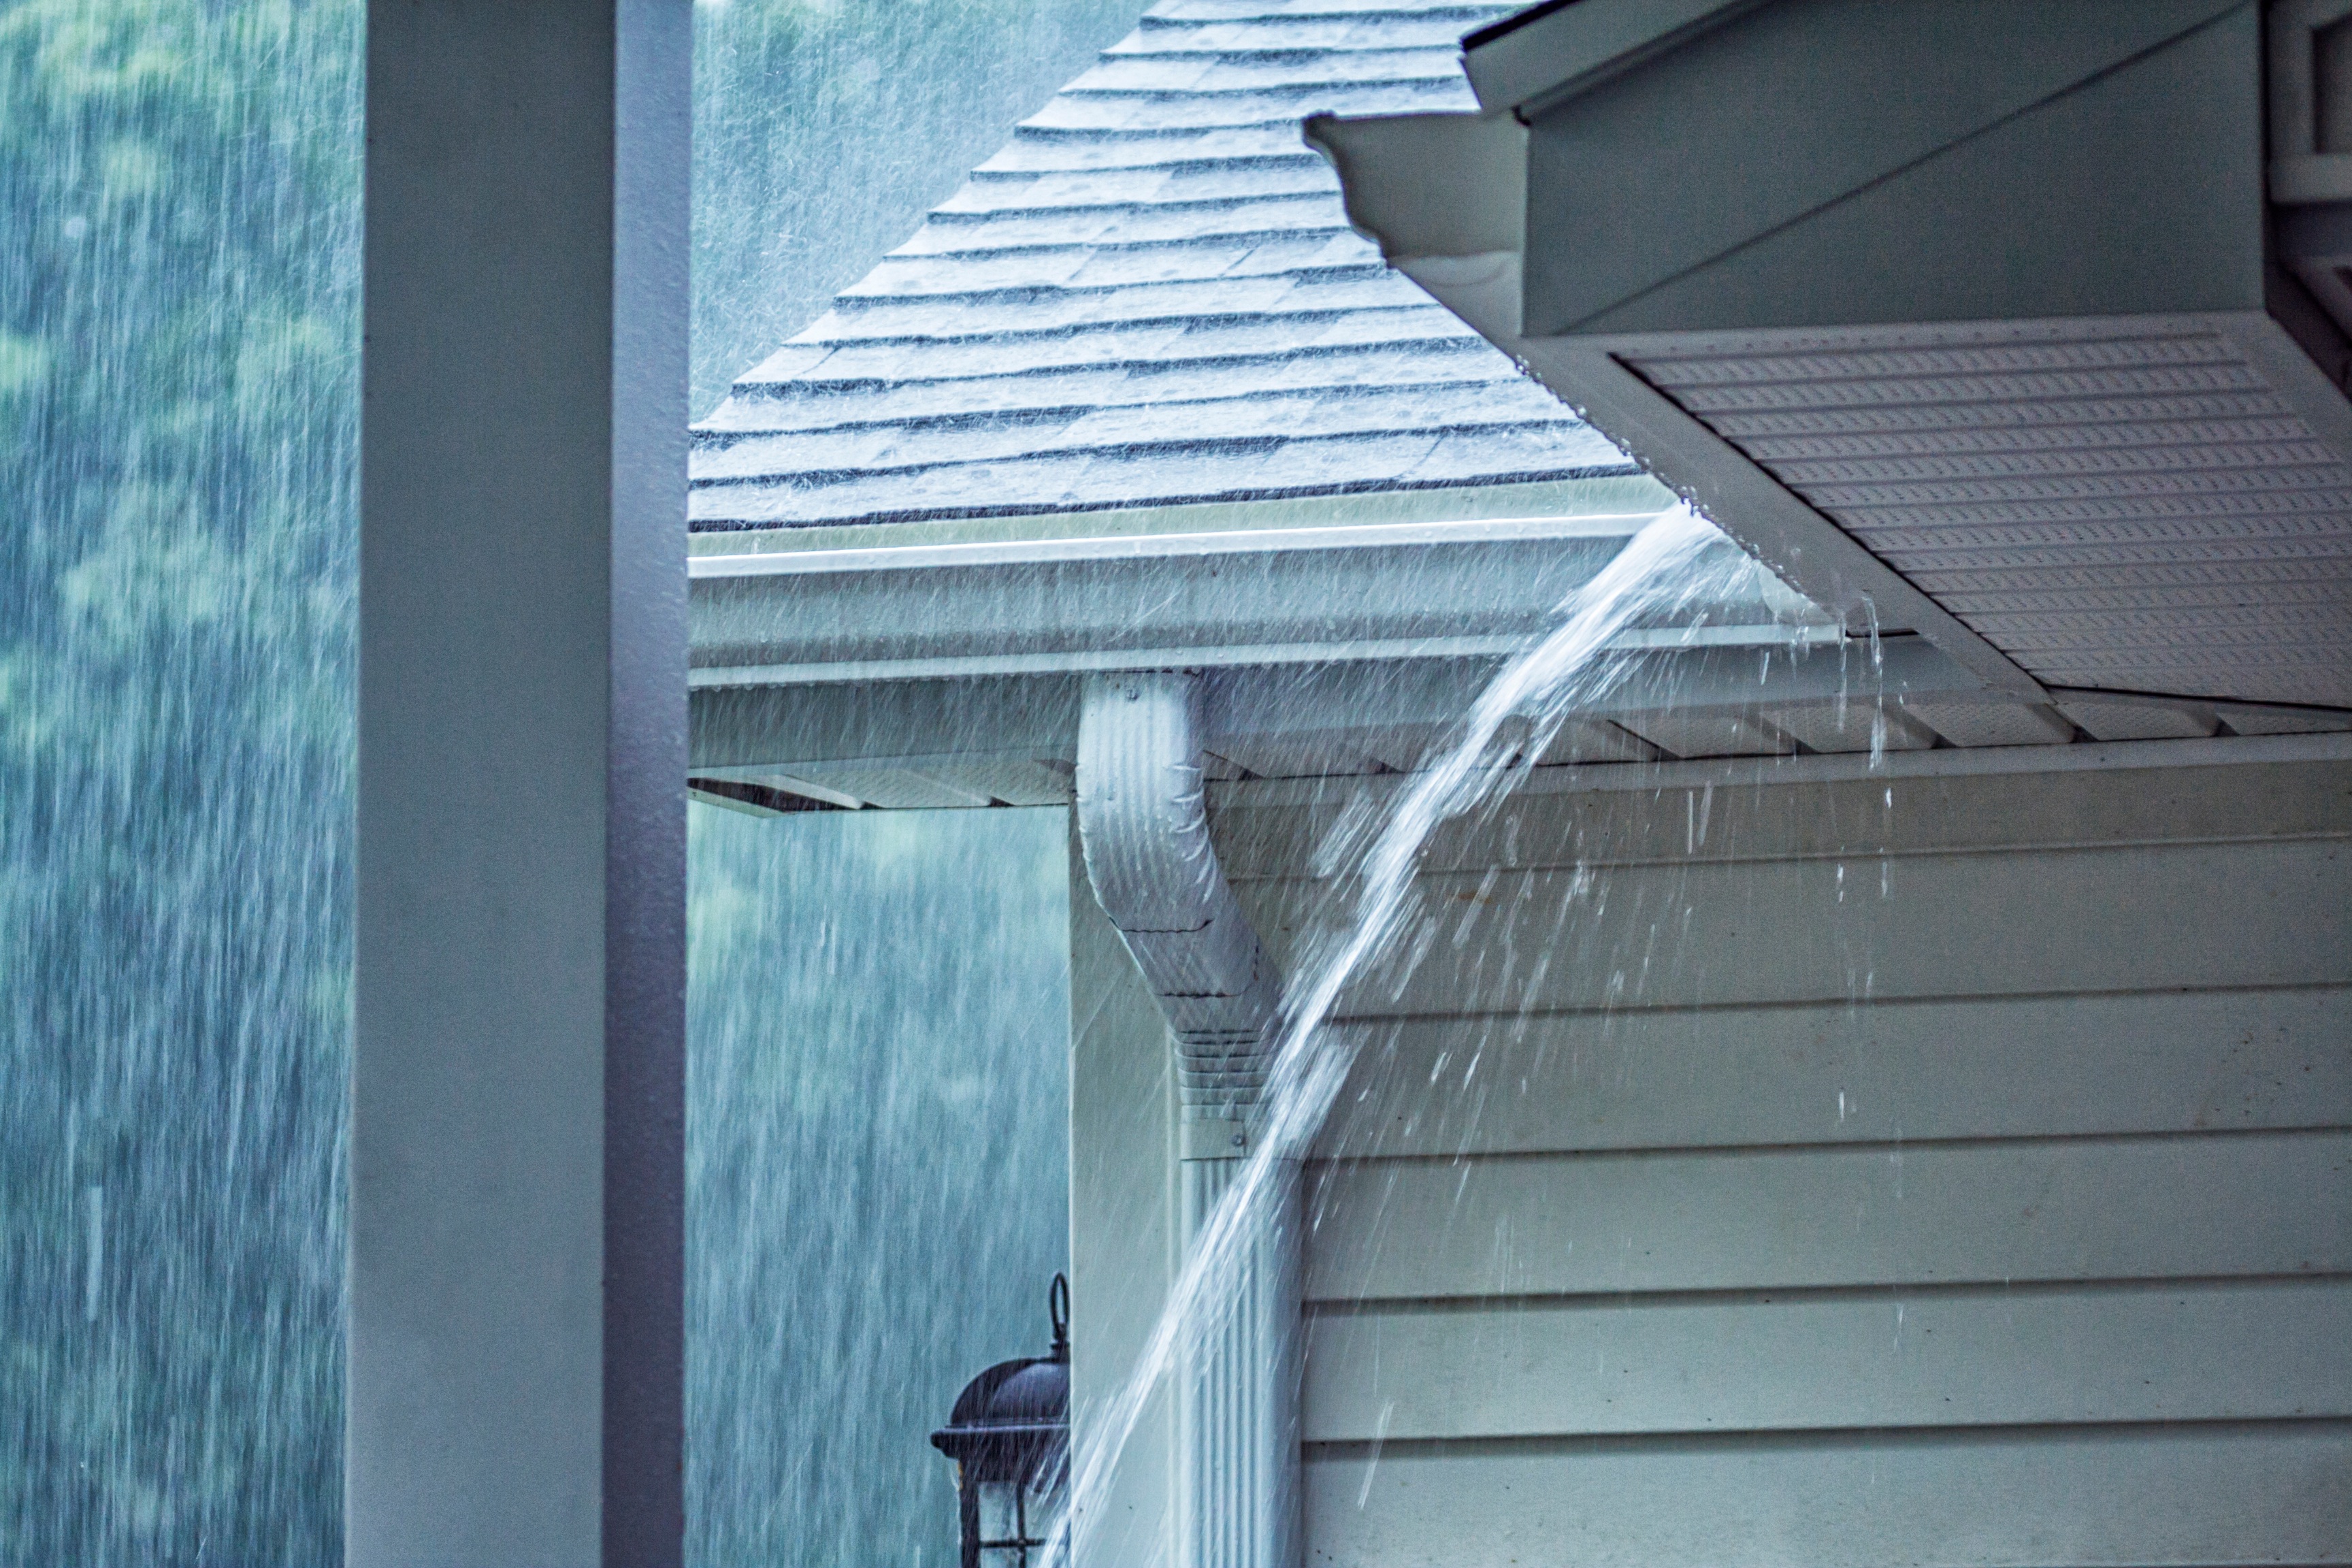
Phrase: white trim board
{"type": "Point", "coordinates": [1942, 763]}
{"type": "Point", "coordinates": [1124, 547]}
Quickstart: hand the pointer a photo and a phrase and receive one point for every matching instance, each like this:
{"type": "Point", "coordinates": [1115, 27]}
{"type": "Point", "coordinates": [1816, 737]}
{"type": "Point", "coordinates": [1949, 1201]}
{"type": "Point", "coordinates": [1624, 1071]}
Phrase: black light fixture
{"type": "Point", "coordinates": [1010, 1437]}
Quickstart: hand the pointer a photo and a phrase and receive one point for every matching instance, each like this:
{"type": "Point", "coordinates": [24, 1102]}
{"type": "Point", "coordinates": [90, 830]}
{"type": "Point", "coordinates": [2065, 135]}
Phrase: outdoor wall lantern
{"type": "Point", "coordinates": [1010, 1437]}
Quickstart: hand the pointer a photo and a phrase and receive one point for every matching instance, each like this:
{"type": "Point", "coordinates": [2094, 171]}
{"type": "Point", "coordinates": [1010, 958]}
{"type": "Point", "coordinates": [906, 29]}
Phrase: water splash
{"type": "Point", "coordinates": [1668, 575]}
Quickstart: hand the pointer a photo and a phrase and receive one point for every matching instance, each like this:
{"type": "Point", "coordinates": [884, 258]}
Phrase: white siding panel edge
{"type": "Point", "coordinates": [2181, 1496]}
{"type": "Point", "coordinates": [2142, 1351]}
{"type": "Point", "coordinates": [2190, 1206]}
{"type": "Point", "coordinates": [1738, 1076]}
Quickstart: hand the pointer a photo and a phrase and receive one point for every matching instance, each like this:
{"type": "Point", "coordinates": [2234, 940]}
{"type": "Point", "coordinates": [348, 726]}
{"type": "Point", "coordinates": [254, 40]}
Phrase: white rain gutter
{"type": "Point", "coordinates": [1143, 824]}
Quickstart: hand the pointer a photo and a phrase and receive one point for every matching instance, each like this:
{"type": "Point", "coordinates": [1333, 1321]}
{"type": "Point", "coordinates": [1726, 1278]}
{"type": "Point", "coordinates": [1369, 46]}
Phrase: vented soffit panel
{"type": "Point", "coordinates": [2012, 348]}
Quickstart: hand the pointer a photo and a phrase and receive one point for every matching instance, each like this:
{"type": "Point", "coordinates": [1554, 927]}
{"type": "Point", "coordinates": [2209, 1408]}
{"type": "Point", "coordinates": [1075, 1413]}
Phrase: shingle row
{"type": "Point", "coordinates": [1149, 297]}
{"type": "Point", "coordinates": [1316, 411]}
{"type": "Point", "coordinates": [1265, 468]}
{"type": "Point", "coordinates": [1130, 346]}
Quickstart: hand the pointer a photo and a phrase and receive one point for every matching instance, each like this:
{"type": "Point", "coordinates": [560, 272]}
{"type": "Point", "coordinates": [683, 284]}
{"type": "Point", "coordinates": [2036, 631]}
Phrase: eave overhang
{"type": "Point", "coordinates": [2003, 346]}
{"type": "Point", "coordinates": [1374, 593]}
{"type": "Point", "coordinates": [946, 673]}
{"type": "Point", "coordinates": [950, 674]}
{"type": "Point", "coordinates": [996, 468]}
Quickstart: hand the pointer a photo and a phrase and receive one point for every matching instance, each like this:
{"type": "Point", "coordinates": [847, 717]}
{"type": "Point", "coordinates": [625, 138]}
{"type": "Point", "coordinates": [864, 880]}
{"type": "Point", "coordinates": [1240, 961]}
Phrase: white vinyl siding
{"type": "Point", "coordinates": [1711, 1191]}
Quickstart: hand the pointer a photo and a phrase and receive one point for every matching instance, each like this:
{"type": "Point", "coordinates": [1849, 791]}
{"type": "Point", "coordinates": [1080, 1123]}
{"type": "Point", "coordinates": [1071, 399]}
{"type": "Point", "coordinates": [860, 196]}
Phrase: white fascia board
{"type": "Point", "coordinates": [1035, 716]}
{"type": "Point", "coordinates": [1387, 592]}
{"type": "Point", "coordinates": [1221, 655]}
{"type": "Point", "coordinates": [1749, 772]}
{"type": "Point", "coordinates": [1269, 702]}
{"type": "Point", "coordinates": [1157, 546]}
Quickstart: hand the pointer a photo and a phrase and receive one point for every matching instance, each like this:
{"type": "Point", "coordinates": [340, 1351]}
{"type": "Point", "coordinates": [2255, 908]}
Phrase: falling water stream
{"type": "Point", "coordinates": [1665, 576]}
{"type": "Point", "coordinates": [179, 185]}
{"type": "Point", "coordinates": [178, 364]}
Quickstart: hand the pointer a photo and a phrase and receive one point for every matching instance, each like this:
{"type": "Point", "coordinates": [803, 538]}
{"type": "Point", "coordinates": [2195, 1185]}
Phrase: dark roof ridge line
{"type": "Point", "coordinates": [1266, 90]}
{"type": "Point", "coordinates": [1117, 247]}
{"type": "Point", "coordinates": [1077, 328]}
{"type": "Point", "coordinates": [1231, 160]}
{"type": "Point", "coordinates": [969, 217]}
{"type": "Point", "coordinates": [1039, 413]}
{"type": "Point", "coordinates": [1339, 272]}
{"type": "Point", "coordinates": [1220, 444]}
{"type": "Point", "coordinates": [1147, 133]}
{"type": "Point", "coordinates": [1156, 18]}
{"type": "Point", "coordinates": [1301, 158]}
{"type": "Point", "coordinates": [1087, 201]}
{"type": "Point", "coordinates": [1469, 344]}
{"type": "Point", "coordinates": [1151, 20]}
{"type": "Point", "coordinates": [1334, 394]}
{"type": "Point", "coordinates": [804, 341]}
{"type": "Point", "coordinates": [1277, 51]}
{"type": "Point", "coordinates": [1039, 336]}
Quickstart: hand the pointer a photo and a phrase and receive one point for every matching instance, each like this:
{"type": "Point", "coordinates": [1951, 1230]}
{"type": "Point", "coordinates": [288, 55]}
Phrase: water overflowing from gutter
{"type": "Point", "coordinates": [1666, 575]}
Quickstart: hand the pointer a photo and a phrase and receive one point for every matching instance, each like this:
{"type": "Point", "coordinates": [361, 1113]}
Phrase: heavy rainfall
{"type": "Point", "coordinates": [877, 1162]}
{"type": "Point", "coordinates": [1055, 289]}
{"type": "Point", "coordinates": [878, 1159]}
{"type": "Point", "coordinates": [877, 1150]}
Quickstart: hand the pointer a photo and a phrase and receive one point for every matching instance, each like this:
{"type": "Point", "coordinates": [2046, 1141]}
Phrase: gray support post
{"type": "Point", "coordinates": [516, 1219]}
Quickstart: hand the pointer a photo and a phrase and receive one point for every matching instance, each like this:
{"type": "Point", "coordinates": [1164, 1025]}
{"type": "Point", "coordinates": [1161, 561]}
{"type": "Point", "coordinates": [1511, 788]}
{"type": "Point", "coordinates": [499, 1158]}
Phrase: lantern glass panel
{"type": "Point", "coordinates": [1015, 1524]}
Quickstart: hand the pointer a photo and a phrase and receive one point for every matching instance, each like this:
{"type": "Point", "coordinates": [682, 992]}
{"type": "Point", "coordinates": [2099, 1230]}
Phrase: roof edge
{"type": "Point", "coordinates": [1566, 45]}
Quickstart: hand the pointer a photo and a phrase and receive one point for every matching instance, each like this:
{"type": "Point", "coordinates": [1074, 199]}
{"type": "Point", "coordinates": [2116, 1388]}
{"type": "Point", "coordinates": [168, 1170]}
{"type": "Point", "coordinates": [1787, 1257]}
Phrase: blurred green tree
{"type": "Point", "coordinates": [179, 184]}
{"type": "Point", "coordinates": [179, 374]}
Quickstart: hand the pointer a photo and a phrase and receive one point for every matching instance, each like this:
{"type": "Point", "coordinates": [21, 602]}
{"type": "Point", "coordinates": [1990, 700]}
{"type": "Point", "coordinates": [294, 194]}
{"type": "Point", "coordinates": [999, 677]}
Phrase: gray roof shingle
{"type": "Point", "coordinates": [1149, 297]}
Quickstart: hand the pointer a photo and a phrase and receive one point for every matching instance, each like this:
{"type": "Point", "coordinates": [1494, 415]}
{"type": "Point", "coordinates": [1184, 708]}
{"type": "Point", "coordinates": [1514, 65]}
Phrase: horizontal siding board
{"type": "Point", "coordinates": [2025, 1499]}
{"type": "Point", "coordinates": [1857, 819]}
{"type": "Point", "coordinates": [2145, 917]}
{"type": "Point", "coordinates": [2183, 1208]}
{"type": "Point", "coordinates": [2193, 1352]}
{"type": "Point", "coordinates": [1709, 1191]}
{"type": "Point", "coordinates": [2001, 1068]}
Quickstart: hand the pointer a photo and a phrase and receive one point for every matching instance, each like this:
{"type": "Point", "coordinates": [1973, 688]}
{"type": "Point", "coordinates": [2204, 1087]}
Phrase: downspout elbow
{"type": "Point", "coordinates": [1143, 824]}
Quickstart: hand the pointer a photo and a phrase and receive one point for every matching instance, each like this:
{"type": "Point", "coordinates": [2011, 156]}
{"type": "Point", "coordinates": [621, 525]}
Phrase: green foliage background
{"type": "Point", "coordinates": [178, 386]}
{"type": "Point", "coordinates": [179, 204]}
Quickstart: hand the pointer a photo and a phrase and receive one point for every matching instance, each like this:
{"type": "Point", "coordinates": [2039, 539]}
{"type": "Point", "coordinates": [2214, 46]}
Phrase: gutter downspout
{"type": "Point", "coordinates": [1143, 824]}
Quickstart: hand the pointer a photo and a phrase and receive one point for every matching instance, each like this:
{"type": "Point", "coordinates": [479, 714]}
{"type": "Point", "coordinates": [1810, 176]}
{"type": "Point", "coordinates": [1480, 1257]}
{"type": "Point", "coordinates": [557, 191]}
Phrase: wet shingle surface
{"type": "Point", "coordinates": [1149, 297]}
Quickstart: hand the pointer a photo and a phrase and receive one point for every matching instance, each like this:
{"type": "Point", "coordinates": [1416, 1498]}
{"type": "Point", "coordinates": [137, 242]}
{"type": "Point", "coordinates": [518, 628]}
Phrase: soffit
{"type": "Point", "coordinates": [2119, 508]}
{"type": "Point", "coordinates": [2155, 498]}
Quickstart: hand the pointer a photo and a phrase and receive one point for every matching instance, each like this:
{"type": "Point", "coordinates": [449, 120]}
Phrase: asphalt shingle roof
{"type": "Point", "coordinates": [1149, 297]}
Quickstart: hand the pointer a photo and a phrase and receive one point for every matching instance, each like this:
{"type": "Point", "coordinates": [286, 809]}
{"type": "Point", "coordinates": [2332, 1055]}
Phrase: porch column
{"type": "Point", "coordinates": [516, 1328]}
